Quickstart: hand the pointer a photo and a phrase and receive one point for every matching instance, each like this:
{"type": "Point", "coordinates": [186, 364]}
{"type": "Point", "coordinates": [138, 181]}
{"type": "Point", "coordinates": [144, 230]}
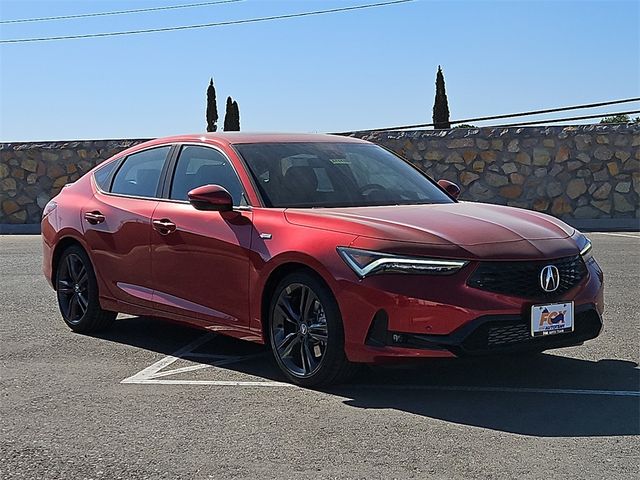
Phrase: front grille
{"type": "Point", "coordinates": [506, 334]}
{"type": "Point", "coordinates": [497, 335]}
{"type": "Point", "coordinates": [522, 279]}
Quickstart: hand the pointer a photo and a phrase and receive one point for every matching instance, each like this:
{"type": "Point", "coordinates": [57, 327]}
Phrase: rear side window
{"type": "Point", "coordinates": [140, 173]}
{"type": "Point", "coordinates": [102, 176]}
{"type": "Point", "coordinates": [199, 166]}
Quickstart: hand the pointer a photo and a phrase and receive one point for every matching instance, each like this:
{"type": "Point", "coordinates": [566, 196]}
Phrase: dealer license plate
{"type": "Point", "coordinates": [551, 319]}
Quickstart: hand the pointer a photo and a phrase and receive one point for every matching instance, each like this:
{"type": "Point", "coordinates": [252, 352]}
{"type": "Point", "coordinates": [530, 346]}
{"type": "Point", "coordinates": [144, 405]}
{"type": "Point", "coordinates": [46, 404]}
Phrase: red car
{"type": "Point", "coordinates": [332, 250]}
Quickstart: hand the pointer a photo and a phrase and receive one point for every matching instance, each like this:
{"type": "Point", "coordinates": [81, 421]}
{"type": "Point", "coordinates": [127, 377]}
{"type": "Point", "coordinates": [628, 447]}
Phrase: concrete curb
{"type": "Point", "coordinates": [606, 224]}
{"type": "Point", "coordinates": [586, 225]}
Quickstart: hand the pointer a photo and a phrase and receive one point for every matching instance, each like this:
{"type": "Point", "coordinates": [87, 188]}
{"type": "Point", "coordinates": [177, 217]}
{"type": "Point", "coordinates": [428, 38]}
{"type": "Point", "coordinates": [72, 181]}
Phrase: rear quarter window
{"type": "Point", "coordinates": [103, 174]}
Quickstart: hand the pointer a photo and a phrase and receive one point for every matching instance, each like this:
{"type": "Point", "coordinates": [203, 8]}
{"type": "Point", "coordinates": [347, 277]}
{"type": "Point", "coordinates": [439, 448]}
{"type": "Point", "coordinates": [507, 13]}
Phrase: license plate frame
{"type": "Point", "coordinates": [547, 323]}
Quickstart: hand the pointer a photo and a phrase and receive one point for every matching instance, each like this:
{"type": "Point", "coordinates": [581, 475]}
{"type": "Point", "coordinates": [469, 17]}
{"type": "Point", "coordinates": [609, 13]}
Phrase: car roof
{"type": "Point", "coordinates": [235, 138]}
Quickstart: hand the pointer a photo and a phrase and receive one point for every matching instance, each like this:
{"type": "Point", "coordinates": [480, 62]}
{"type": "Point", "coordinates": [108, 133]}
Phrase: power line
{"type": "Point", "coordinates": [207, 25]}
{"type": "Point", "coordinates": [511, 115]}
{"type": "Point", "coordinates": [568, 119]}
{"type": "Point", "coordinates": [521, 124]}
{"type": "Point", "coordinates": [117, 12]}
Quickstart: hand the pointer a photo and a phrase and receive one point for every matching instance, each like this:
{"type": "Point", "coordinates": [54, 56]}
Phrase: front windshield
{"type": "Point", "coordinates": [335, 175]}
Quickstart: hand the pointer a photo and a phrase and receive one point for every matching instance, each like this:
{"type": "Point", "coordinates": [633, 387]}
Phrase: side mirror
{"type": "Point", "coordinates": [449, 187]}
{"type": "Point", "coordinates": [211, 197]}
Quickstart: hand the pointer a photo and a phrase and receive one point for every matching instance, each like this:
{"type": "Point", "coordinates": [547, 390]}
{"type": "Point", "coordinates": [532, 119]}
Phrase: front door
{"type": "Point", "coordinates": [200, 259]}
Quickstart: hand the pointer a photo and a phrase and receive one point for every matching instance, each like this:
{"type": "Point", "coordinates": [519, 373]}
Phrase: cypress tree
{"type": "Point", "coordinates": [236, 117]}
{"type": "Point", "coordinates": [232, 116]}
{"type": "Point", "coordinates": [441, 104]}
{"type": "Point", "coordinates": [228, 114]}
{"type": "Point", "coordinates": [212, 108]}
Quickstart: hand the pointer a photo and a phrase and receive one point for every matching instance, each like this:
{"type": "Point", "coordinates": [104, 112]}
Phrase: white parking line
{"type": "Point", "coordinates": [156, 375]}
{"type": "Point", "coordinates": [627, 235]}
{"type": "Point", "coordinates": [219, 383]}
{"type": "Point", "coordinates": [488, 389]}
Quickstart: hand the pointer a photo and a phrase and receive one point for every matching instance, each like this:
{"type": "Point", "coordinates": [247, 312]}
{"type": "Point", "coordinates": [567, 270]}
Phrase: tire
{"type": "Point", "coordinates": [308, 343]}
{"type": "Point", "coordinates": [77, 292]}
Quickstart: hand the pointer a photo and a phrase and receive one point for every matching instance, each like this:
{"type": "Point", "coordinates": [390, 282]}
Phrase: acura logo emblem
{"type": "Point", "coordinates": [549, 278]}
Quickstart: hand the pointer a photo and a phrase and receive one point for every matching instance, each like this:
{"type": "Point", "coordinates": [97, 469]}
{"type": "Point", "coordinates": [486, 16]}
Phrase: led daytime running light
{"type": "Point", "coordinates": [586, 249]}
{"type": "Point", "coordinates": [388, 263]}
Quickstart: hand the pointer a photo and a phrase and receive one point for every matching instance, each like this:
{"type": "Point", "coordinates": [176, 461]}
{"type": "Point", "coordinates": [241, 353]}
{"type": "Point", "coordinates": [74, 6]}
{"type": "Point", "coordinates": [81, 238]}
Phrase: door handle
{"type": "Point", "coordinates": [164, 226]}
{"type": "Point", "coordinates": [94, 217]}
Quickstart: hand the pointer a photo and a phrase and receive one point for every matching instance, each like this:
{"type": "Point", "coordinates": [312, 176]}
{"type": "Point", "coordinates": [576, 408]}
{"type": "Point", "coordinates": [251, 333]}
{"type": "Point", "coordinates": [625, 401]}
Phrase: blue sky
{"type": "Point", "coordinates": [337, 72]}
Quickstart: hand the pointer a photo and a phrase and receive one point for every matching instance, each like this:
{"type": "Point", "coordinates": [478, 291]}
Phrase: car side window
{"type": "Point", "coordinates": [102, 175]}
{"type": "Point", "coordinates": [140, 173]}
{"type": "Point", "coordinates": [199, 166]}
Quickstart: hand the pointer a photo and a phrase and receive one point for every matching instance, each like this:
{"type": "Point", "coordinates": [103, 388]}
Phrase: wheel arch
{"type": "Point", "coordinates": [274, 278]}
{"type": "Point", "coordinates": [62, 245]}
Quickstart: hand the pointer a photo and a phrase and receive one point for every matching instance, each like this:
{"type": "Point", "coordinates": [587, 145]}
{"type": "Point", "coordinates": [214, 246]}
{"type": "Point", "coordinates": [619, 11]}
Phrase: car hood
{"type": "Point", "coordinates": [460, 230]}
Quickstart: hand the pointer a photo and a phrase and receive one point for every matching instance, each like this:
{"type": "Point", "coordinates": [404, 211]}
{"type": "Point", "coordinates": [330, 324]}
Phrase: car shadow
{"type": "Point", "coordinates": [510, 394]}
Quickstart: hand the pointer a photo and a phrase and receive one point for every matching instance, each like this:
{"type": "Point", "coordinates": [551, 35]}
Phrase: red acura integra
{"type": "Point", "coordinates": [332, 250]}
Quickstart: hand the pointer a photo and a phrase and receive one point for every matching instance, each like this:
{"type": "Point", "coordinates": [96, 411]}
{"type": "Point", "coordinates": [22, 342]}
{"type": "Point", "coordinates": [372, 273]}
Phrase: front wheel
{"type": "Point", "coordinates": [77, 291]}
{"type": "Point", "coordinates": [306, 333]}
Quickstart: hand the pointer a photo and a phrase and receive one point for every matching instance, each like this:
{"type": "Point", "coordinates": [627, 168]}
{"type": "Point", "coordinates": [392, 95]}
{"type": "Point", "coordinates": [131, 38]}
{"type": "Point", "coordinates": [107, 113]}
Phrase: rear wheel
{"type": "Point", "coordinates": [77, 291]}
{"type": "Point", "coordinates": [306, 334]}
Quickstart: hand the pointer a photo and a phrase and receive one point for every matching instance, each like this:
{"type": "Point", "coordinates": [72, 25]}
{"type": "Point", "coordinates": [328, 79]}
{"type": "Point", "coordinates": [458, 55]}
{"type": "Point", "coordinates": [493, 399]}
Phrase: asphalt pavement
{"type": "Point", "coordinates": [151, 399]}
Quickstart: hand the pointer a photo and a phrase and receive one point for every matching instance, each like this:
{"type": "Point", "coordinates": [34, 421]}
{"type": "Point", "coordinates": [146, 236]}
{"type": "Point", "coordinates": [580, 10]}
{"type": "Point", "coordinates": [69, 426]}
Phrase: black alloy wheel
{"type": "Point", "coordinates": [306, 334]}
{"type": "Point", "coordinates": [77, 292]}
{"type": "Point", "coordinates": [73, 288]}
{"type": "Point", "coordinates": [299, 330]}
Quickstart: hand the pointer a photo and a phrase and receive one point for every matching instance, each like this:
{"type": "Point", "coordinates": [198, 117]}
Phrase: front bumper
{"type": "Point", "coordinates": [398, 317]}
{"type": "Point", "coordinates": [490, 334]}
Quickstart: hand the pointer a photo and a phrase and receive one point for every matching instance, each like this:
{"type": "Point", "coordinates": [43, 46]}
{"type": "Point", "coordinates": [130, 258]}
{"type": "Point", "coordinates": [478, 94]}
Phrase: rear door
{"type": "Point", "coordinates": [200, 259]}
{"type": "Point", "coordinates": [117, 223]}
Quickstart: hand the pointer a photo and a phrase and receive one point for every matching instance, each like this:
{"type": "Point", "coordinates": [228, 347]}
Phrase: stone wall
{"type": "Point", "coordinates": [32, 173]}
{"type": "Point", "coordinates": [575, 173]}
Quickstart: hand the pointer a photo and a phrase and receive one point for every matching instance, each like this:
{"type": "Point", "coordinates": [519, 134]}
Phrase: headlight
{"type": "Point", "coordinates": [365, 263]}
{"type": "Point", "coordinates": [584, 244]}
